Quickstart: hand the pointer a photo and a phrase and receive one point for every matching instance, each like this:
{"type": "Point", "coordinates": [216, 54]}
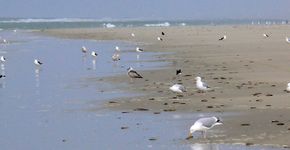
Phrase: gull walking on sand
{"type": "Point", "coordinates": [201, 85]}
{"type": "Point", "coordinates": [223, 38]}
{"type": "Point", "coordinates": [2, 59]}
{"type": "Point", "coordinates": [178, 88]}
{"type": "Point", "coordinates": [133, 74]}
{"type": "Point", "coordinates": [287, 40]}
{"type": "Point", "coordinates": [37, 62]}
{"type": "Point", "coordinates": [204, 124]}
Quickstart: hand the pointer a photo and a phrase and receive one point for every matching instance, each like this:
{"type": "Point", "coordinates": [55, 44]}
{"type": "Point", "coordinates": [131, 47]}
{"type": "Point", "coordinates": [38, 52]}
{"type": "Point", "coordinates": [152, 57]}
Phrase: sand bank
{"type": "Point", "coordinates": [248, 74]}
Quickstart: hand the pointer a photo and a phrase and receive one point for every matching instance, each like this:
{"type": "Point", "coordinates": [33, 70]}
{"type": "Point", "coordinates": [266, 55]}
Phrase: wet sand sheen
{"type": "Point", "coordinates": [250, 73]}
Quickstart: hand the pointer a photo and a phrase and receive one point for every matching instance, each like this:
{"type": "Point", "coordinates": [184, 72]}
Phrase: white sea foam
{"type": "Point", "coordinates": [30, 20]}
{"type": "Point", "coordinates": [109, 25]}
{"type": "Point", "coordinates": [165, 24]}
{"type": "Point", "coordinates": [182, 24]}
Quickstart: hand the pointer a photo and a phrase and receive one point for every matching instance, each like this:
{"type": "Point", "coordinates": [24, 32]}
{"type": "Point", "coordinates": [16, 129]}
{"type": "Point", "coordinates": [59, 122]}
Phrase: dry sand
{"type": "Point", "coordinates": [248, 73]}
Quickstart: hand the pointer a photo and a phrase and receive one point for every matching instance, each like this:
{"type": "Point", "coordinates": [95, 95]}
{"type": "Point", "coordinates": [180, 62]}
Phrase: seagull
{"type": "Point", "coordinates": [37, 62]}
{"type": "Point", "coordinates": [84, 49]}
{"type": "Point", "coordinates": [5, 41]}
{"type": "Point", "coordinates": [2, 59]}
{"type": "Point", "coordinates": [265, 35]}
{"type": "Point", "coordinates": [223, 38]}
{"type": "Point", "coordinates": [2, 76]}
{"type": "Point", "coordinates": [159, 38]}
{"type": "Point", "coordinates": [204, 124]}
{"type": "Point", "coordinates": [288, 87]}
{"type": "Point", "coordinates": [162, 33]}
{"type": "Point", "coordinates": [178, 88]}
{"type": "Point", "coordinates": [287, 40]}
{"type": "Point", "coordinates": [132, 34]}
{"type": "Point", "coordinates": [116, 57]}
{"type": "Point", "coordinates": [201, 85]}
{"type": "Point", "coordinates": [139, 49]}
{"type": "Point", "coordinates": [117, 48]}
{"type": "Point", "coordinates": [133, 74]}
{"type": "Point", "coordinates": [94, 54]}
{"type": "Point", "coordinates": [178, 72]}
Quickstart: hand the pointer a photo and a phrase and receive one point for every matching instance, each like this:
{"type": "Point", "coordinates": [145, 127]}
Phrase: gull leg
{"type": "Point", "coordinates": [204, 134]}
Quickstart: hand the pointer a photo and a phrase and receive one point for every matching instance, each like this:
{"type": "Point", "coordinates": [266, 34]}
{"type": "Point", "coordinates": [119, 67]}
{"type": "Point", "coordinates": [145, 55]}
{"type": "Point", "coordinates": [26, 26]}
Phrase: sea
{"type": "Point", "coordinates": [53, 23]}
{"type": "Point", "coordinates": [59, 105]}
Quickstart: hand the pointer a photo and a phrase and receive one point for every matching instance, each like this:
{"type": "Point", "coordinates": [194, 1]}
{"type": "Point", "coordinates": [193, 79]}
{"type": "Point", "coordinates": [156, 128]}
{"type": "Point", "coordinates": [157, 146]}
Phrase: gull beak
{"type": "Point", "coordinates": [189, 136]}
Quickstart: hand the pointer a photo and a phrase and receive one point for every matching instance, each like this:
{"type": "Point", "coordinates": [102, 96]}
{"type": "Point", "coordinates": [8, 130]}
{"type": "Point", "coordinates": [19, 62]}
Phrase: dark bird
{"type": "Point", "coordinates": [2, 76]}
{"type": "Point", "coordinates": [162, 33]}
{"type": "Point", "coordinates": [178, 72]}
{"type": "Point", "coordinates": [133, 74]}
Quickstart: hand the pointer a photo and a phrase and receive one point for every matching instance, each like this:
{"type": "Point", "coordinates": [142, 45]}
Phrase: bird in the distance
{"type": "Point", "coordinates": [223, 38]}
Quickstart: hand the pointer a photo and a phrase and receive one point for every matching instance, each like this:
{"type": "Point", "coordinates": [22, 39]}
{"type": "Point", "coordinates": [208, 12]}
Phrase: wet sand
{"type": "Point", "coordinates": [248, 74]}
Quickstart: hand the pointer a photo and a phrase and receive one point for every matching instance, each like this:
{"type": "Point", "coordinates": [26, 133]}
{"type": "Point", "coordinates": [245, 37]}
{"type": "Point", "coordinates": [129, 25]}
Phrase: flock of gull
{"type": "Point", "coordinates": [202, 124]}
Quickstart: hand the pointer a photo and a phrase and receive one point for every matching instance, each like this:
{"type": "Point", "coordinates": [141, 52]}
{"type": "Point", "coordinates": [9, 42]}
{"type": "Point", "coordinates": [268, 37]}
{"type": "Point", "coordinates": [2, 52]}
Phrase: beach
{"type": "Point", "coordinates": [248, 74]}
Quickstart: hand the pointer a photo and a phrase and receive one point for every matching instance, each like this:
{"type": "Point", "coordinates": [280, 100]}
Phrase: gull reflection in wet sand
{"type": "Point", "coordinates": [94, 64]}
{"type": "Point", "coordinates": [2, 80]}
{"type": "Point", "coordinates": [198, 146]}
{"type": "Point", "coordinates": [37, 74]}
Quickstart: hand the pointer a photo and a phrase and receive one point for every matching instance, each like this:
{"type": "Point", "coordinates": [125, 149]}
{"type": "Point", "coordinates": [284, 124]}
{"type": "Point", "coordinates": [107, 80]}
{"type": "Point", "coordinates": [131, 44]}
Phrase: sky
{"type": "Point", "coordinates": [146, 9]}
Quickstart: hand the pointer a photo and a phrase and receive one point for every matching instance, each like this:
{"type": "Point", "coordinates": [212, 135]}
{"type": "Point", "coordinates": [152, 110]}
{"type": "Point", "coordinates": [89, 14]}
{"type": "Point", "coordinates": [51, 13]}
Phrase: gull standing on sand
{"type": "Point", "coordinates": [288, 87]}
{"type": "Point", "coordinates": [287, 40]}
{"type": "Point", "coordinates": [84, 49]}
{"type": "Point", "coordinates": [201, 85]}
{"type": "Point", "coordinates": [4, 41]}
{"type": "Point", "coordinates": [159, 38]}
{"type": "Point", "coordinates": [37, 62]}
{"type": "Point", "coordinates": [94, 54]}
{"type": "Point", "coordinates": [178, 88]}
{"type": "Point", "coordinates": [204, 124]}
{"type": "Point", "coordinates": [265, 35]}
{"type": "Point", "coordinates": [133, 74]}
{"type": "Point", "coordinates": [117, 48]}
{"type": "Point", "coordinates": [116, 57]}
{"type": "Point", "coordinates": [139, 49]}
{"type": "Point", "coordinates": [132, 34]}
{"type": "Point", "coordinates": [223, 38]}
{"type": "Point", "coordinates": [2, 59]}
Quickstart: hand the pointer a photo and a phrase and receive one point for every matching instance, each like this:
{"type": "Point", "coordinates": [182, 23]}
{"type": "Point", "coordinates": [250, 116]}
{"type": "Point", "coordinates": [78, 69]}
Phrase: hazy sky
{"type": "Point", "coordinates": [147, 9]}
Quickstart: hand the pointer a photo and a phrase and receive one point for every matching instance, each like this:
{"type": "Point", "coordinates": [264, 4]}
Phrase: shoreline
{"type": "Point", "coordinates": [241, 69]}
